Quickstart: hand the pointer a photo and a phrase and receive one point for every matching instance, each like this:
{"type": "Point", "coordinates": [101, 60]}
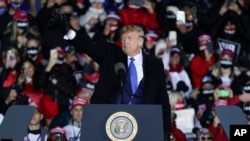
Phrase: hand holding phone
{"type": "Point", "coordinates": [180, 17]}
{"type": "Point", "coordinates": [172, 36]}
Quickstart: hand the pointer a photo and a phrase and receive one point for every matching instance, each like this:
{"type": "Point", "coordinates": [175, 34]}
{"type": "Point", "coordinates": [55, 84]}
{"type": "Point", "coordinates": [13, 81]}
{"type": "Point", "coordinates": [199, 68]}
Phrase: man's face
{"type": "Point", "coordinates": [37, 117]}
{"type": "Point", "coordinates": [131, 43]}
{"type": "Point", "coordinates": [76, 113]}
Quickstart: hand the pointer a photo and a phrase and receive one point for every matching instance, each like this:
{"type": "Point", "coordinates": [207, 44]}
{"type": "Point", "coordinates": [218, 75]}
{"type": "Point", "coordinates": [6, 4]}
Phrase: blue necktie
{"type": "Point", "coordinates": [133, 75]}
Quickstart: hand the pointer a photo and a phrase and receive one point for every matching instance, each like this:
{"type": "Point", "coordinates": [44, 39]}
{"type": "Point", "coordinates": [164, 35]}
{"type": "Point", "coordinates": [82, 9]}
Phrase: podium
{"type": "Point", "coordinates": [16, 122]}
{"type": "Point", "coordinates": [108, 122]}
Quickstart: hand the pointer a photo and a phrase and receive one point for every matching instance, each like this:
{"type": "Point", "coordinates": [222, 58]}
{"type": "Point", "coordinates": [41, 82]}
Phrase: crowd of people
{"type": "Point", "coordinates": [205, 58]}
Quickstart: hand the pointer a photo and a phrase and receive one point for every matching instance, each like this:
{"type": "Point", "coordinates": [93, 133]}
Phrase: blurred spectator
{"type": "Point", "coordinates": [57, 134]}
{"type": "Point", "coordinates": [94, 17]}
{"type": "Point", "coordinates": [49, 109]}
{"type": "Point", "coordinates": [151, 44]}
{"type": "Point", "coordinates": [35, 130]}
{"type": "Point", "coordinates": [188, 32]}
{"type": "Point", "coordinates": [177, 134]}
{"type": "Point", "coordinates": [143, 15]}
{"type": "Point", "coordinates": [217, 130]}
{"type": "Point", "coordinates": [29, 80]}
{"type": "Point", "coordinates": [34, 52]}
{"type": "Point", "coordinates": [16, 33]}
{"type": "Point", "coordinates": [9, 90]}
{"type": "Point", "coordinates": [203, 102]}
{"type": "Point", "coordinates": [179, 77]}
{"type": "Point", "coordinates": [109, 30]}
{"type": "Point", "coordinates": [74, 126]}
{"type": "Point", "coordinates": [232, 25]}
{"type": "Point", "coordinates": [57, 79]}
{"type": "Point", "coordinates": [158, 49]}
{"type": "Point", "coordinates": [176, 100]}
{"type": "Point", "coordinates": [204, 135]}
{"type": "Point", "coordinates": [43, 15]}
{"type": "Point", "coordinates": [225, 70]}
{"type": "Point", "coordinates": [167, 17]}
{"type": "Point", "coordinates": [12, 6]}
{"type": "Point", "coordinates": [50, 31]}
{"type": "Point", "coordinates": [201, 64]}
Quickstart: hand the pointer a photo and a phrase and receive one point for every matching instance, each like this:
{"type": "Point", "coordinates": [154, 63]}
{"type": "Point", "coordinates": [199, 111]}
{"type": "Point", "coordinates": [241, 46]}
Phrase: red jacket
{"type": "Point", "coordinates": [34, 96]}
{"type": "Point", "coordinates": [177, 133]}
{"type": "Point", "coordinates": [218, 133]}
{"type": "Point", "coordinates": [139, 16]}
{"type": "Point", "coordinates": [199, 68]}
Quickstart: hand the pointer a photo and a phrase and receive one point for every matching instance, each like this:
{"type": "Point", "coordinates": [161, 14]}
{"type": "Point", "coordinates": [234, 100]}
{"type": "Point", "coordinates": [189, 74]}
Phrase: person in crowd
{"type": "Point", "coordinates": [144, 15]}
{"type": "Point", "coordinates": [43, 14]}
{"type": "Point", "coordinates": [132, 38]}
{"type": "Point", "coordinates": [49, 109]}
{"type": "Point", "coordinates": [203, 101]}
{"type": "Point", "coordinates": [29, 81]}
{"type": "Point", "coordinates": [16, 33]}
{"type": "Point", "coordinates": [160, 48]}
{"type": "Point", "coordinates": [50, 31]}
{"type": "Point", "coordinates": [151, 42]}
{"type": "Point", "coordinates": [202, 63]}
{"type": "Point", "coordinates": [34, 52]}
{"type": "Point", "coordinates": [216, 129]}
{"type": "Point", "coordinates": [94, 17]}
{"type": "Point", "coordinates": [73, 128]}
{"type": "Point", "coordinates": [35, 130]}
{"type": "Point", "coordinates": [225, 71]}
{"type": "Point", "coordinates": [188, 32]}
{"type": "Point", "coordinates": [179, 78]}
{"type": "Point", "coordinates": [231, 25]}
{"type": "Point", "coordinates": [57, 79]}
{"type": "Point", "coordinates": [57, 133]}
{"type": "Point", "coordinates": [177, 134]}
{"type": "Point", "coordinates": [11, 7]}
{"type": "Point", "coordinates": [177, 101]}
{"type": "Point", "coordinates": [9, 89]}
{"type": "Point", "coordinates": [109, 30]}
{"type": "Point", "coordinates": [204, 135]}
{"type": "Point", "coordinates": [86, 91]}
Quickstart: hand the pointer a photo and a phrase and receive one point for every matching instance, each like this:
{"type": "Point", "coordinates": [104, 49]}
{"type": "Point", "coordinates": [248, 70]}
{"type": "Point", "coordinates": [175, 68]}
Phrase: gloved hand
{"type": "Point", "coordinates": [58, 18]}
{"type": "Point", "coordinates": [181, 86]}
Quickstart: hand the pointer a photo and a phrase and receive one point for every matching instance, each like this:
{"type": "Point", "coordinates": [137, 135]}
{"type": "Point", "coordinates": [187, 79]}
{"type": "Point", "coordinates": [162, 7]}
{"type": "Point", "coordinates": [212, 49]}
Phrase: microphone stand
{"type": "Point", "coordinates": [121, 90]}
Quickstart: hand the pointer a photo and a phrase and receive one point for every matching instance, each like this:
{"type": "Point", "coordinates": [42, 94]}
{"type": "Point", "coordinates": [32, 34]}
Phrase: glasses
{"type": "Point", "coordinates": [206, 138]}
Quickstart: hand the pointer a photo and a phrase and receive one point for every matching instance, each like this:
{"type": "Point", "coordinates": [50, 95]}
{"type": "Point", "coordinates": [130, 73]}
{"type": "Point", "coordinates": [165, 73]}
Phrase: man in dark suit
{"type": "Point", "coordinates": [149, 72]}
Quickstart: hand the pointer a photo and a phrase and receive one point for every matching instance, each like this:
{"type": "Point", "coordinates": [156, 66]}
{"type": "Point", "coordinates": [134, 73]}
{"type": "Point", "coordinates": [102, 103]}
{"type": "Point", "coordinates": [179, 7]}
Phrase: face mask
{"type": "Point", "coordinates": [208, 91]}
{"type": "Point", "coordinates": [230, 31]}
{"type": "Point", "coordinates": [113, 27]}
{"type": "Point", "coordinates": [179, 105]}
{"type": "Point", "coordinates": [28, 79]}
{"type": "Point", "coordinates": [246, 108]}
{"type": "Point", "coordinates": [60, 61]}
{"type": "Point", "coordinates": [225, 63]}
{"type": "Point", "coordinates": [118, 1]}
{"type": "Point", "coordinates": [170, 16]}
{"type": "Point", "coordinates": [2, 10]}
{"type": "Point", "coordinates": [15, 5]}
{"type": "Point", "coordinates": [22, 24]}
{"type": "Point", "coordinates": [189, 24]}
{"type": "Point", "coordinates": [32, 52]}
{"type": "Point", "coordinates": [246, 88]}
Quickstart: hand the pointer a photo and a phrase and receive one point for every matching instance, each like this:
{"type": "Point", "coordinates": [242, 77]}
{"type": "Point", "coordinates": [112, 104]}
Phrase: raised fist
{"type": "Point", "coordinates": [58, 18]}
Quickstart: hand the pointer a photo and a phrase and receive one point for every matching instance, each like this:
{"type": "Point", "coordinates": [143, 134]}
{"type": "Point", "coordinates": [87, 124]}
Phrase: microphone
{"type": "Point", "coordinates": [120, 69]}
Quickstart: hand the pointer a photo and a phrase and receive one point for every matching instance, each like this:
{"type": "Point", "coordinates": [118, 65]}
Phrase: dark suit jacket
{"type": "Point", "coordinates": [107, 55]}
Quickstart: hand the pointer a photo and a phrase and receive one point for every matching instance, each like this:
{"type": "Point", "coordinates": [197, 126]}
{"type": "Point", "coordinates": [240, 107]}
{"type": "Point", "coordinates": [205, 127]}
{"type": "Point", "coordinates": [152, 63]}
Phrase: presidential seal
{"type": "Point", "coordinates": [121, 126]}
